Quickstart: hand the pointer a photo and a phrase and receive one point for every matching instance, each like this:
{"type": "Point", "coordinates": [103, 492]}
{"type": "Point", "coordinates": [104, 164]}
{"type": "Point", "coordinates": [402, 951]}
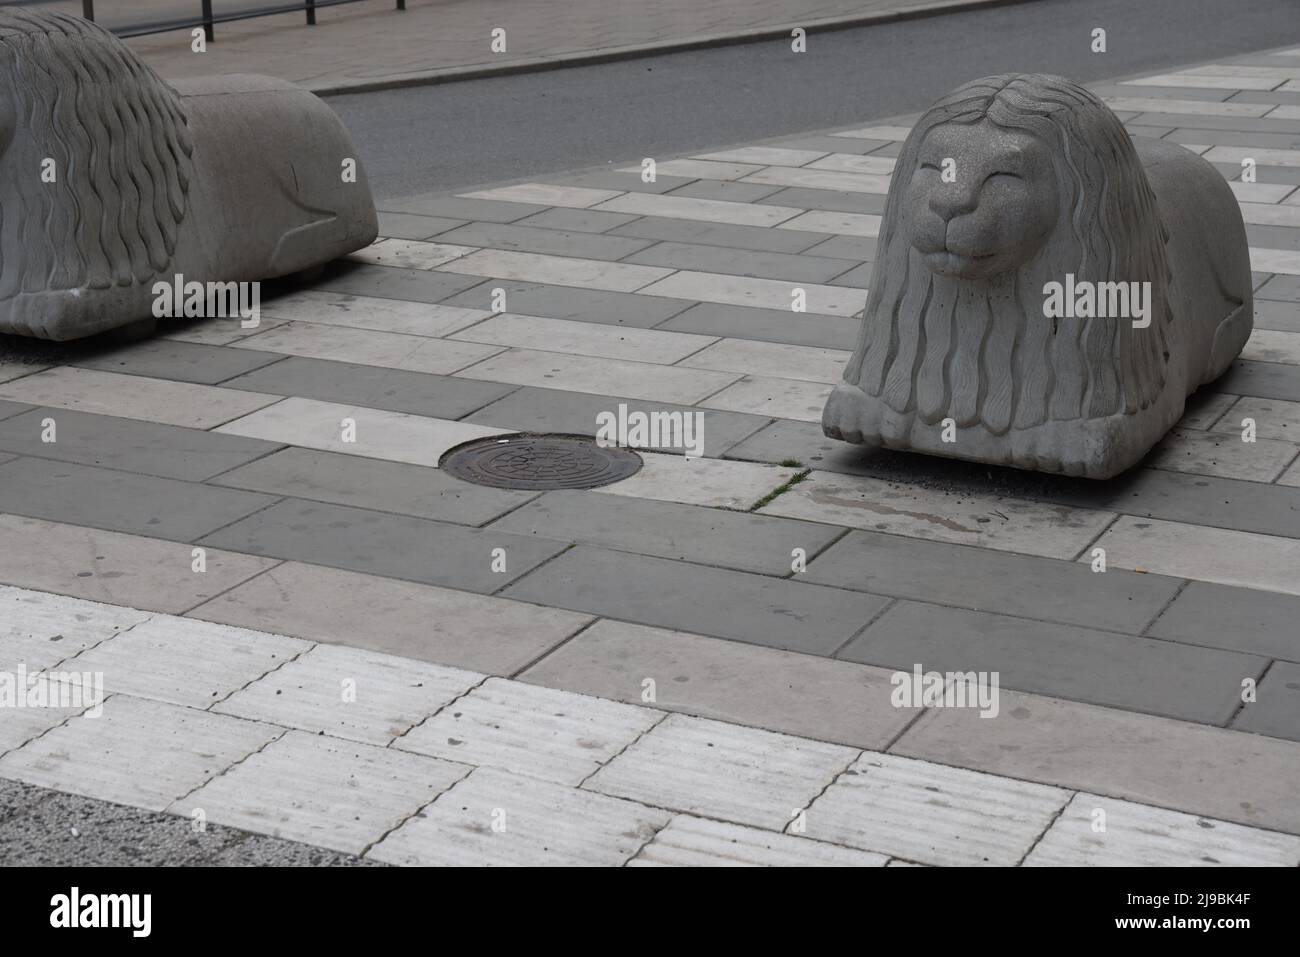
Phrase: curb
{"type": "Point", "coordinates": [635, 51]}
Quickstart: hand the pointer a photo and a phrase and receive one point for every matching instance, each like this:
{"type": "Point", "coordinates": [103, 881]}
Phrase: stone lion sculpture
{"type": "Point", "coordinates": [1008, 188]}
{"type": "Point", "coordinates": [110, 179]}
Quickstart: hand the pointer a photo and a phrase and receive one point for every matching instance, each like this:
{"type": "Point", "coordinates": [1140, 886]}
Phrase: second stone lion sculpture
{"type": "Point", "coordinates": [112, 180]}
{"type": "Point", "coordinates": [1013, 195]}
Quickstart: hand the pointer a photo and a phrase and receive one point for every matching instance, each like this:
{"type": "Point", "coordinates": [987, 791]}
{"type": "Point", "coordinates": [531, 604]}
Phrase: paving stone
{"type": "Point", "coordinates": [395, 436]}
{"type": "Point", "coordinates": [1276, 710]}
{"type": "Point", "coordinates": [1245, 778]}
{"type": "Point", "coordinates": [1226, 556]}
{"type": "Point", "coordinates": [1221, 453]}
{"type": "Point", "coordinates": [214, 331]}
{"type": "Point", "coordinates": [1137, 674]}
{"type": "Point", "coordinates": [1270, 346]}
{"type": "Point", "coordinates": [349, 693]}
{"type": "Point", "coordinates": [544, 194]}
{"type": "Point", "coordinates": [618, 180]}
{"type": "Point", "coordinates": [1264, 214]}
{"type": "Point", "coordinates": [715, 483]}
{"type": "Point", "coordinates": [551, 410]}
{"type": "Point", "coordinates": [538, 732]}
{"type": "Point", "coordinates": [1190, 78]}
{"type": "Point", "coordinates": [736, 262]}
{"type": "Point", "coordinates": [1139, 104]}
{"type": "Point", "coordinates": [772, 359]}
{"type": "Point", "coordinates": [758, 238]}
{"type": "Point", "coordinates": [374, 484]}
{"type": "Point", "coordinates": [744, 684]}
{"type": "Point", "coordinates": [388, 282]}
{"type": "Point", "coordinates": [785, 398]}
{"type": "Point", "coordinates": [134, 397]}
{"type": "Point", "coordinates": [710, 601]}
{"type": "Point", "coordinates": [322, 791]}
{"type": "Point", "coordinates": [1266, 132]}
{"type": "Point", "coordinates": [1284, 238]}
{"type": "Point", "coordinates": [807, 178]}
{"type": "Point", "coordinates": [725, 771]}
{"type": "Point", "coordinates": [369, 312]}
{"type": "Point", "coordinates": [834, 144]}
{"type": "Point", "coordinates": [767, 325]}
{"type": "Point", "coordinates": [388, 350]}
{"type": "Point", "coordinates": [1291, 476]}
{"type": "Point", "coordinates": [120, 501]}
{"type": "Point", "coordinates": [541, 825]}
{"type": "Point", "coordinates": [865, 225]}
{"type": "Point", "coordinates": [138, 752]}
{"type": "Point", "coordinates": [23, 724]}
{"type": "Point", "coordinates": [810, 198]}
{"type": "Point", "coordinates": [1204, 409]}
{"type": "Point", "coordinates": [1218, 616]}
{"type": "Point", "coordinates": [1281, 288]}
{"type": "Point", "coordinates": [115, 568]}
{"type": "Point", "coordinates": [392, 546]}
{"type": "Point", "coordinates": [561, 270]}
{"type": "Point", "coordinates": [765, 156]}
{"type": "Point", "coordinates": [379, 614]}
{"type": "Point", "coordinates": [853, 163]}
{"type": "Point", "coordinates": [185, 662]}
{"type": "Point", "coordinates": [698, 842]}
{"type": "Point", "coordinates": [522, 238]}
{"type": "Point", "coordinates": [10, 409]}
{"type": "Point", "coordinates": [458, 207]}
{"type": "Point", "coordinates": [699, 169]}
{"type": "Point", "coordinates": [39, 629]}
{"type": "Point", "coordinates": [1261, 155]}
{"type": "Point", "coordinates": [726, 190]}
{"type": "Point", "coordinates": [178, 361]}
{"type": "Point", "coordinates": [409, 254]}
{"type": "Point", "coordinates": [575, 220]}
{"type": "Point", "coordinates": [861, 248]}
{"type": "Point", "coordinates": [570, 302]}
{"type": "Point", "coordinates": [702, 210]}
{"type": "Point", "coordinates": [708, 536]}
{"type": "Point", "coordinates": [584, 338]}
{"type": "Point", "coordinates": [859, 277]}
{"type": "Point", "coordinates": [412, 226]}
{"type": "Point", "coordinates": [1139, 836]}
{"type": "Point", "coordinates": [991, 521]}
{"type": "Point", "coordinates": [1275, 261]}
{"type": "Point", "coordinates": [599, 376]}
{"type": "Point", "coordinates": [990, 580]}
{"type": "Point", "coordinates": [128, 444]}
{"type": "Point", "coordinates": [933, 814]}
{"type": "Point", "coordinates": [877, 133]}
{"type": "Point", "coordinates": [765, 293]}
{"type": "Point", "coordinates": [10, 369]}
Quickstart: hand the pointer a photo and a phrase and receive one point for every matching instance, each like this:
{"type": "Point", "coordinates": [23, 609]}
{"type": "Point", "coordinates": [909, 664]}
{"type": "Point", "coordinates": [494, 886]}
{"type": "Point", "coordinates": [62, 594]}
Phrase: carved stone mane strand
{"type": "Point", "coordinates": [122, 151]}
{"type": "Point", "coordinates": [1002, 364]}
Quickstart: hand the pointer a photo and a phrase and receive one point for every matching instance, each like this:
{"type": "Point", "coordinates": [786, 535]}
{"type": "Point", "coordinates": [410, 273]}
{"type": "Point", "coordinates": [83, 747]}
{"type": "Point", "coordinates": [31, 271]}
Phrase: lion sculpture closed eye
{"type": "Point", "coordinates": [1006, 186]}
{"type": "Point", "coordinates": [111, 179]}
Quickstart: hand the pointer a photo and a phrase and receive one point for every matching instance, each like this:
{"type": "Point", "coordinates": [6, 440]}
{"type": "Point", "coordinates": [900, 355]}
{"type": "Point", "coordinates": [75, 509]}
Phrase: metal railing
{"type": "Point", "coordinates": [207, 18]}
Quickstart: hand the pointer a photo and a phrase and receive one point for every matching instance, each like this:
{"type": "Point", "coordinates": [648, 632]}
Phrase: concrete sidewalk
{"type": "Point", "coordinates": [372, 45]}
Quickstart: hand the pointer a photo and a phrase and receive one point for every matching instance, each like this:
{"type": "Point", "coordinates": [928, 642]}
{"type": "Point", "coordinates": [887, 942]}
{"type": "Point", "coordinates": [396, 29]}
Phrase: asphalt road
{"type": "Point", "coordinates": [427, 139]}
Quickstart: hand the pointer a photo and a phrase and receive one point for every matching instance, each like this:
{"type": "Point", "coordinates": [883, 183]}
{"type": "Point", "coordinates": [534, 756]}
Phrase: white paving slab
{"type": "Point", "coordinates": [702, 210]}
{"type": "Point", "coordinates": [717, 483]}
{"type": "Point", "coordinates": [820, 179]}
{"type": "Point", "coordinates": [635, 380]}
{"type": "Point", "coordinates": [765, 156]}
{"type": "Point", "coordinates": [723, 771]}
{"type": "Point", "coordinates": [215, 330]}
{"type": "Point", "coordinates": [1259, 194]}
{"type": "Point", "coordinates": [773, 359]}
{"type": "Point", "coordinates": [1191, 78]}
{"type": "Point", "coordinates": [991, 521]}
{"type": "Point", "coordinates": [698, 842]}
{"type": "Point", "coordinates": [134, 397]}
{"type": "Point", "coordinates": [558, 270]}
{"type": "Point", "coordinates": [1261, 155]}
{"type": "Point", "coordinates": [1267, 345]}
{"type": "Point", "coordinates": [698, 169]}
{"type": "Point", "coordinates": [537, 732]}
{"type": "Point", "coordinates": [350, 693]}
{"type": "Point", "coordinates": [322, 791]}
{"type": "Point", "coordinates": [585, 338]}
{"type": "Point", "coordinates": [1206, 410]}
{"type": "Point", "coordinates": [188, 662]}
{"type": "Point", "coordinates": [370, 312]}
{"type": "Point", "coordinates": [853, 163]}
{"type": "Point", "coordinates": [1222, 453]}
{"type": "Point", "coordinates": [877, 133]}
{"type": "Point", "coordinates": [137, 752]}
{"type": "Point", "coordinates": [409, 253]}
{"type": "Point", "coordinates": [13, 370]}
{"type": "Point", "coordinates": [396, 436]}
{"type": "Point", "coordinates": [1268, 213]}
{"type": "Point", "coordinates": [389, 350]}
{"type": "Point", "coordinates": [780, 398]}
{"type": "Point", "coordinates": [1151, 104]}
{"type": "Point", "coordinates": [764, 293]}
{"type": "Point", "coordinates": [1222, 555]}
{"type": "Point", "coordinates": [494, 818]}
{"type": "Point", "coordinates": [545, 194]}
{"type": "Point", "coordinates": [1275, 260]}
{"type": "Point", "coordinates": [38, 630]}
{"type": "Point", "coordinates": [840, 224]}
{"type": "Point", "coordinates": [1274, 418]}
{"type": "Point", "coordinates": [933, 814]}
{"type": "Point", "coordinates": [1135, 835]}
{"type": "Point", "coordinates": [21, 725]}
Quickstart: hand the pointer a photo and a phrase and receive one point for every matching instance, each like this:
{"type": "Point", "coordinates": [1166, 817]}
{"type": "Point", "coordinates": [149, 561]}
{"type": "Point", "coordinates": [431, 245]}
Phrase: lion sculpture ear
{"type": "Point", "coordinates": [114, 183]}
{"type": "Point", "coordinates": [1021, 310]}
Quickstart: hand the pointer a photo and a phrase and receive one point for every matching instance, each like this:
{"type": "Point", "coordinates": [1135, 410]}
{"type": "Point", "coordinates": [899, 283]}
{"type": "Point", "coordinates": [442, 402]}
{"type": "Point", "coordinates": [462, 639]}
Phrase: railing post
{"type": "Point", "coordinates": [207, 20]}
{"type": "Point", "coordinates": [311, 13]}
{"type": "Point", "coordinates": [88, 9]}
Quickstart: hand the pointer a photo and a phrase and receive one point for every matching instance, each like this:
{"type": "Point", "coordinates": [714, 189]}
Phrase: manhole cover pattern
{"type": "Point", "coordinates": [539, 462]}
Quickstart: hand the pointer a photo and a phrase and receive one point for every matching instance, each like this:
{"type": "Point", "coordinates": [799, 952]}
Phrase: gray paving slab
{"type": "Point", "coordinates": [551, 242]}
{"type": "Point", "coordinates": [1160, 92]}
{"type": "Point", "coordinates": [630, 182]}
{"type": "Point", "coordinates": [791, 615]}
{"type": "Point", "coordinates": [859, 249]}
{"type": "Point", "coordinates": [411, 226]}
{"type": "Point", "coordinates": [1265, 380]}
{"type": "Point", "coordinates": [1279, 132]}
{"type": "Point", "coordinates": [374, 484]}
{"type": "Point", "coordinates": [1276, 708]}
{"type": "Point", "coordinates": [1214, 135]}
{"type": "Point", "coordinates": [454, 207]}
{"type": "Point", "coordinates": [833, 144]}
{"type": "Point", "coordinates": [576, 220]}
{"type": "Point", "coordinates": [377, 543]}
{"type": "Point", "coordinates": [726, 190]}
{"type": "Point", "coordinates": [570, 302]}
{"type": "Point", "coordinates": [9, 409]}
{"type": "Point", "coordinates": [1281, 288]}
{"type": "Point", "coordinates": [1064, 661]}
{"type": "Point", "coordinates": [131, 445]}
{"type": "Point", "coordinates": [1273, 237]}
{"type": "Point", "coordinates": [374, 387]}
{"type": "Point", "coordinates": [983, 579]}
{"type": "Point", "coordinates": [1284, 175]}
{"type": "Point", "coordinates": [805, 197]}
{"type": "Point", "coordinates": [1242, 619]}
{"type": "Point", "coordinates": [767, 325]}
{"type": "Point", "coordinates": [858, 277]}
{"type": "Point", "coordinates": [549, 410]}
{"type": "Point", "coordinates": [179, 361]}
{"type": "Point", "coordinates": [757, 238]}
{"type": "Point", "coordinates": [1265, 96]}
{"type": "Point", "coordinates": [889, 149]}
{"type": "Point", "coordinates": [391, 282]}
{"type": "Point", "coordinates": [804, 442]}
{"type": "Point", "coordinates": [740, 262]}
{"type": "Point", "coordinates": [709, 536]}
{"type": "Point", "coordinates": [1281, 316]}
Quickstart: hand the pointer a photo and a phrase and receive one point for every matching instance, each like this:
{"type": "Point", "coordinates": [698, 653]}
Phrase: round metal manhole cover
{"type": "Point", "coordinates": [539, 462]}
